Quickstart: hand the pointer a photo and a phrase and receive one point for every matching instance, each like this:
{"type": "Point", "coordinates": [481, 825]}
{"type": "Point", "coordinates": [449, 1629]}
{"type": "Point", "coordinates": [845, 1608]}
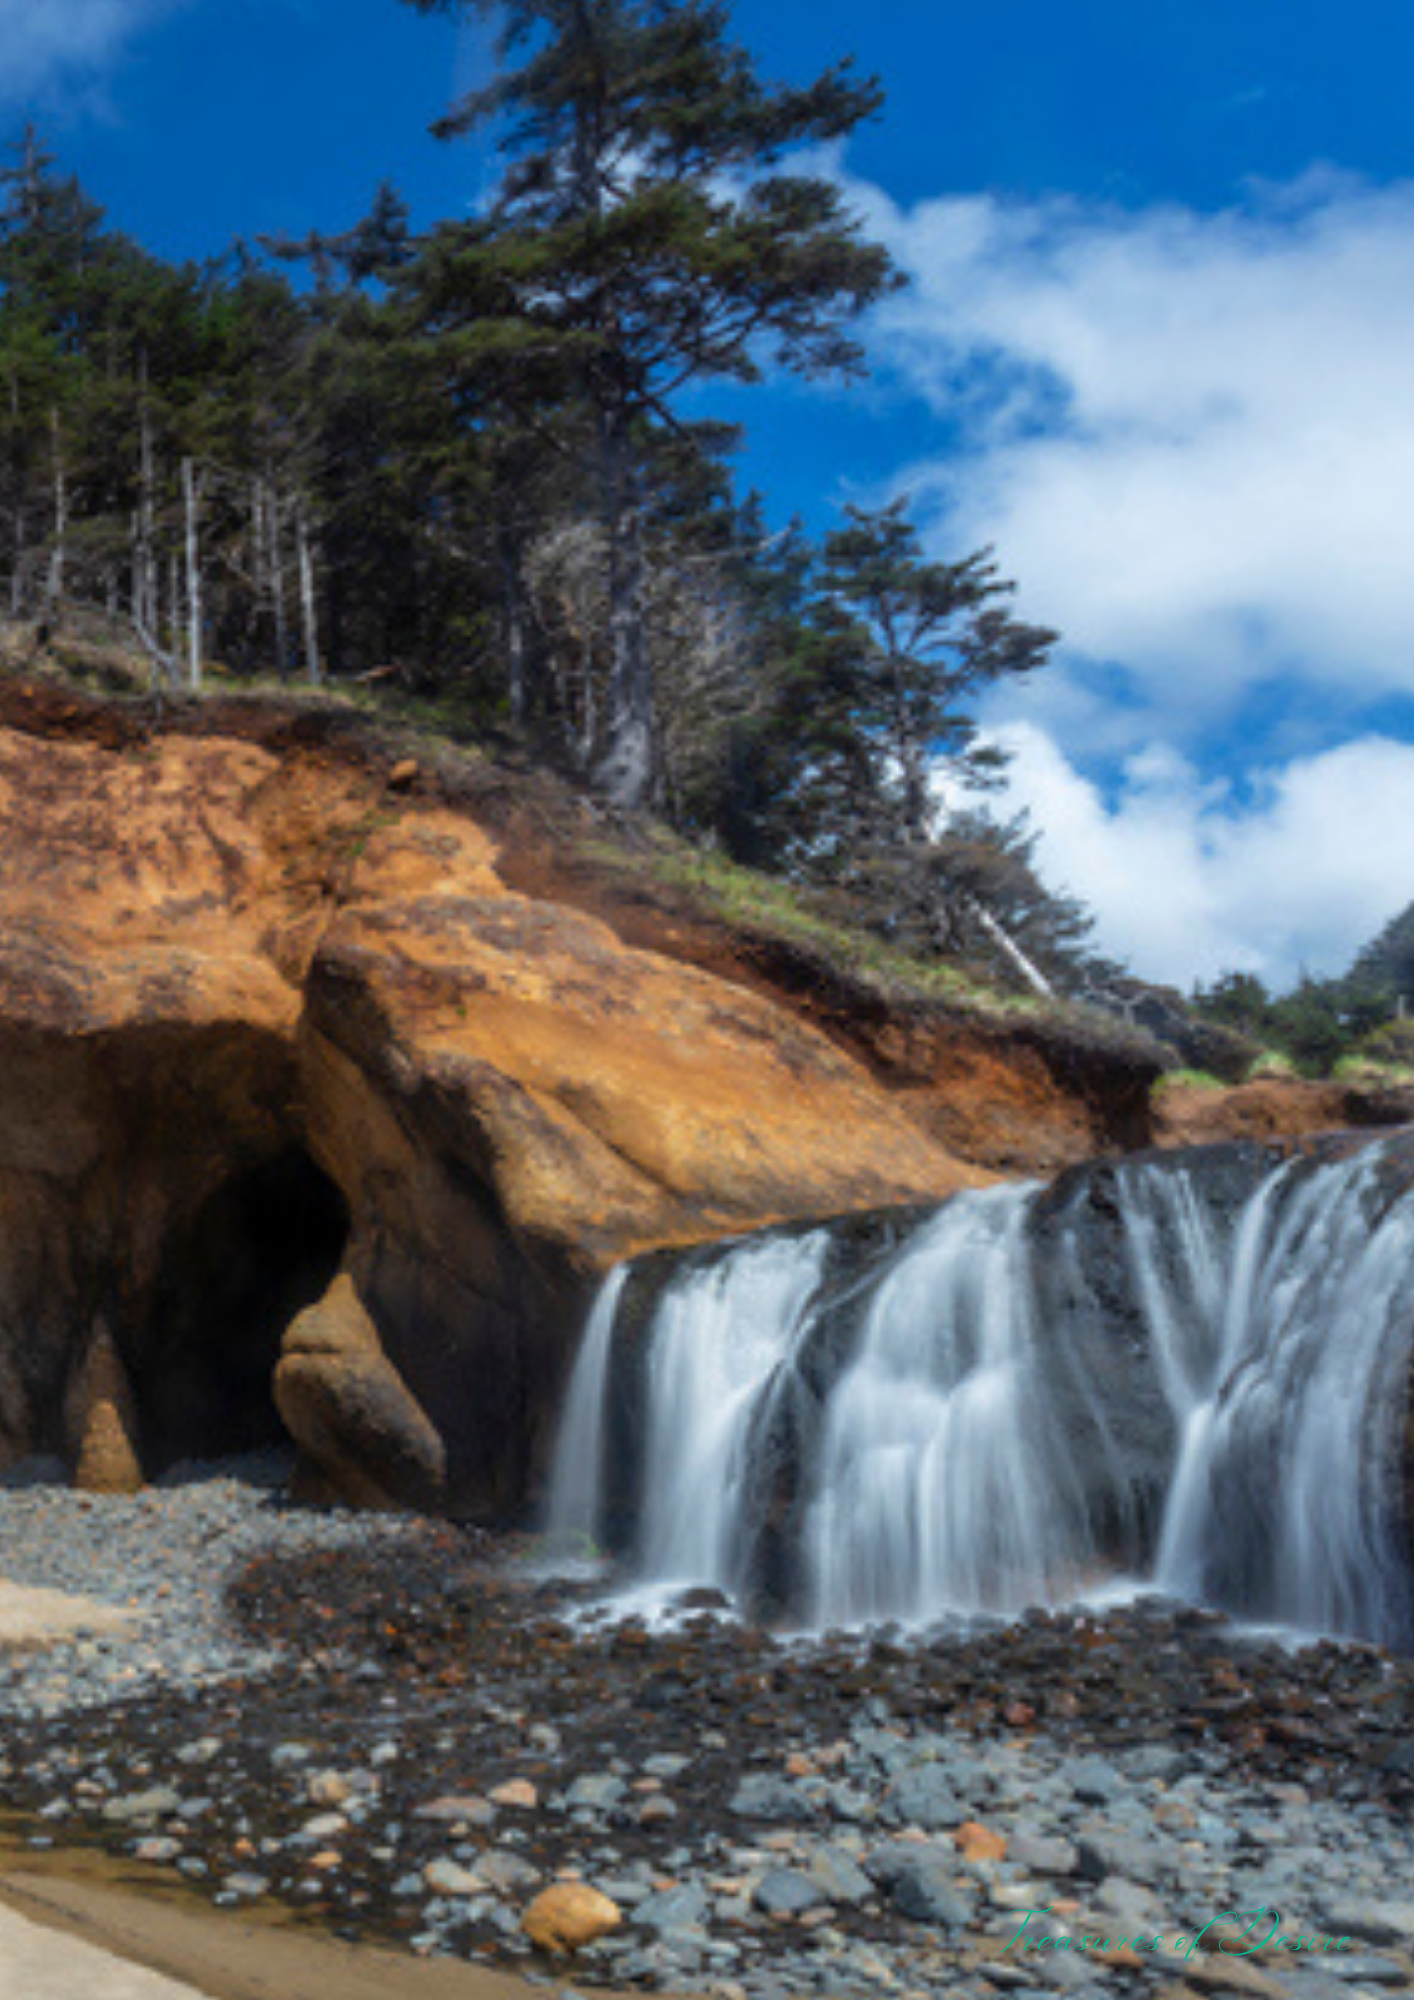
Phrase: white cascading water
{"type": "Point", "coordinates": [935, 1491]}
{"type": "Point", "coordinates": [1292, 1442]}
{"type": "Point", "coordinates": [722, 1343]}
{"type": "Point", "coordinates": [577, 1480]}
{"type": "Point", "coordinates": [1276, 1346]}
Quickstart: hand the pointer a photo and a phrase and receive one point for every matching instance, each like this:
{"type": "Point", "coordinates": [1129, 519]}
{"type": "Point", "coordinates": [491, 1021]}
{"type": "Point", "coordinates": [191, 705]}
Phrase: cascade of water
{"type": "Point", "coordinates": [573, 1513]}
{"type": "Point", "coordinates": [1181, 1276]}
{"type": "Point", "coordinates": [1286, 1500]}
{"type": "Point", "coordinates": [1223, 1403]}
{"type": "Point", "coordinates": [725, 1337]}
{"type": "Point", "coordinates": [937, 1488]}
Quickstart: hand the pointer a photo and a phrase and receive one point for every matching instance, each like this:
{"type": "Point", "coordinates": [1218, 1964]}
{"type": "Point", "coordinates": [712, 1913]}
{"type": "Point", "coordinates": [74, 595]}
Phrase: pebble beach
{"type": "Point", "coordinates": [397, 1729]}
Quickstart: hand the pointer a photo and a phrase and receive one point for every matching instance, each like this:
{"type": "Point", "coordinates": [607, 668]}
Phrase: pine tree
{"type": "Point", "coordinates": [918, 643]}
{"type": "Point", "coordinates": [646, 237]}
{"type": "Point", "coordinates": [1381, 980]}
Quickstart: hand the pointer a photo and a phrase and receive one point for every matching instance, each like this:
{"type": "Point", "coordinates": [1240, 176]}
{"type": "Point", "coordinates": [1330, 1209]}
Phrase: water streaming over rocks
{"type": "Point", "coordinates": [1190, 1371]}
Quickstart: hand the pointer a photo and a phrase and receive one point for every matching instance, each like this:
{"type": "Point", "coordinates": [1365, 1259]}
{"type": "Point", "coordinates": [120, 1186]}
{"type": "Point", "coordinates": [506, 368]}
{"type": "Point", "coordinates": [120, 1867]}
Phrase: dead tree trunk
{"type": "Point", "coordinates": [627, 766]}
{"type": "Point", "coordinates": [191, 498]}
{"type": "Point", "coordinates": [17, 574]}
{"type": "Point", "coordinates": [58, 547]}
{"type": "Point", "coordinates": [517, 625]}
{"type": "Point", "coordinates": [1007, 945]}
{"type": "Point", "coordinates": [309, 615]}
{"type": "Point", "coordinates": [147, 612]}
{"type": "Point", "coordinates": [277, 580]}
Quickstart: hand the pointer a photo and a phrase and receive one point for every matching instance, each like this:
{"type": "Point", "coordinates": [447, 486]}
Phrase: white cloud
{"type": "Point", "coordinates": [1188, 880]}
{"type": "Point", "coordinates": [1190, 436]}
{"type": "Point", "coordinates": [60, 42]}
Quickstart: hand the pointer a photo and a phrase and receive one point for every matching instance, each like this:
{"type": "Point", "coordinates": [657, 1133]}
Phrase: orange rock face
{"type": "Point", "coordinates": [349, 1411]}
{"type": "Point", "coordinates": [251, 966]}
{"type": "Point", "coordinates": [1274, 1108]}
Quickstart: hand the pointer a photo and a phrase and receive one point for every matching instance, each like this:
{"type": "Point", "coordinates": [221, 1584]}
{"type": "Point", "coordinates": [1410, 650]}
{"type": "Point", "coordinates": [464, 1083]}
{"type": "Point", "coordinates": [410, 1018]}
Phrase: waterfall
{"type": "Point", "coordinates": [574, 1513]}
{"type": "Point", "coordinates": [723, 1346]}
{"type": "Point", "coordinates": [936, 1490]}
{"type": "Point", "coordinates": [1281, 1498]}
{"type": "Point", "coordinates": [1189, 1374]}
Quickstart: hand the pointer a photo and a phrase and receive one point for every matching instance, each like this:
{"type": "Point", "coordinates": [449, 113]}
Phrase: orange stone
{"type": "Point", "coordinates": [569, 1916]}
{"type": "Point", "coordinates": [979, 1843]}
{"type": "Point", "coordinates": [518, 1792]}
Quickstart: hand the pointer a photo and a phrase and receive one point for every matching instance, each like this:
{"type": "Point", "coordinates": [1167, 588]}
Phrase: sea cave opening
{"type": "Point", "coordinates": [262, 1247]}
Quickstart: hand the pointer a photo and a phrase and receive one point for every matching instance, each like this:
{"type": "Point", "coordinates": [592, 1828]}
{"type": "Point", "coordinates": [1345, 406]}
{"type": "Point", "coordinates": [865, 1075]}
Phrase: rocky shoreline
{"type": "Point", "coordinates": [393, 1727]}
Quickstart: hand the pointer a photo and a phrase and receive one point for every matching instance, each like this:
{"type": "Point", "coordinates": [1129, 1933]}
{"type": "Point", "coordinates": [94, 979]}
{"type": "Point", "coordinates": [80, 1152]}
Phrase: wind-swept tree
{"type": "Point", "coordinates": [891, 740]}
{"type": "Point", "coordinates": [646, 234]}
{"type": "Point", "coordinates": [918, 643]}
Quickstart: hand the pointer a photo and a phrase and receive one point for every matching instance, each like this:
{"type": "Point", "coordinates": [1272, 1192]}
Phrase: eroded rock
{"type": "Point", "coordinates": [101, 1420]}
{"type": "Point", "coordinates": [349, 1411]}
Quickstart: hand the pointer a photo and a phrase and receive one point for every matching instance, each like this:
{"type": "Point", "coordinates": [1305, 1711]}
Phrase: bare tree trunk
{"type": "Point", "coordinates": [517, 625]}
{"type": "Point", "coordinates": [257, 540]}
{"type": "Point", "coordinates": [307, 604]}
{"type": "Point", "coordinates": [61, 516]}
{"type": "Point", "coordinates": [1012, 952]}
{"type": "Point", "coordinates": [589, 704]}
{"type": "Point", "coordinates": [257, 569]}
{"type": "Point", "coordinates": [628, 761]}
{"type": "Point", "coordinates": [164, 666]}
{"type": "Point", "coordinates": [17, 574]}
{"type": "Point", "coordinates": [147, 612]}
{"type": "Point", "coordinates": [277, 582]}
{"type": "Point", "coordinates": [145, 609]}
{"type": "Point", "coordinates": [137, 568]}
{"type": "Point", "coordinates": [191, 496]}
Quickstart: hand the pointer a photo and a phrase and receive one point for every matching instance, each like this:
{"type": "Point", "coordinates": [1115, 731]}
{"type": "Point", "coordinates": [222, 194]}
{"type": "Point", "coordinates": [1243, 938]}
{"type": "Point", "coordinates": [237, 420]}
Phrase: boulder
{"type": "Point", "coordinates": [101, 1421]}
{"type": "Point", "coordinates": [569, 1916]}
{"type": "Point", "coordinates": [350, 1412]}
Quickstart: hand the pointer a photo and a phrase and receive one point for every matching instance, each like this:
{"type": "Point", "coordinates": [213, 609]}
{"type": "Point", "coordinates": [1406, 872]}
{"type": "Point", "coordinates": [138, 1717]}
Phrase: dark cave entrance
{"type": "Point", "coordinates": [266, 1244]}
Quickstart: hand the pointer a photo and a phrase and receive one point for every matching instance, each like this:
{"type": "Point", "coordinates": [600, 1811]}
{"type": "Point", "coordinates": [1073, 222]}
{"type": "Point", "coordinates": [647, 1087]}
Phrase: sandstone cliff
{"type": "Point", "coordinates": [277, 1004]}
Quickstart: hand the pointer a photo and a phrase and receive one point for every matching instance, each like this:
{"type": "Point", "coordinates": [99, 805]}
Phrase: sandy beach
{"type": "Point", "coordinates": [129, 1914]}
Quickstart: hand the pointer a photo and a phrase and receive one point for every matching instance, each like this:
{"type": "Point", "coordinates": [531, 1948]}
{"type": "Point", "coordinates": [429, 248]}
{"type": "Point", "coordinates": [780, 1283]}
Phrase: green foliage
{"type": "Point", "coordinates": [461, 454]}
{"type": "Point", "coordinates": [1237, 1000]}
{"type": "Point", "coordinates": [1390, 1046]}
{"type": "Point", "coordinates": [830, 926]}
{"type": "Point", "coordinates": [644, 240]}
{"type": "Point", "coordinates": [1324, 1024]}
{"type": "Point", "coordinates": [1382, 976]}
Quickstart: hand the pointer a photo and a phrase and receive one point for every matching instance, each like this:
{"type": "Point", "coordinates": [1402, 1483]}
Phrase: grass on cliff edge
{"type": "Point", "coordinates": [773, 907]}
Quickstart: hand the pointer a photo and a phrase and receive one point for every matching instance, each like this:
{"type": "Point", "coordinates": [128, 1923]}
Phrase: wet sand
{"type": "Point", "coordinates": [138, 1915]}
{"type": "Point", "coordinates": [31, 1618]}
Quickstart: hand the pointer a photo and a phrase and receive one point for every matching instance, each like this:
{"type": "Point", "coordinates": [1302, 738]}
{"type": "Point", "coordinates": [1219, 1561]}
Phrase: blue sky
{"type": "Point", "coordinates": [1159, 350]}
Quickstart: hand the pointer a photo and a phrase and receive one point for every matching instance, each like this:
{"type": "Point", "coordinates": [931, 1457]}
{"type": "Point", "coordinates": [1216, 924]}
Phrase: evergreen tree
{"type": "Point", "coordinates": [896, 652]}
{"type": "Point", "coordinates": [1238, 1000]}
{"type": "Point", "coordinates": [916, 644]}
{"type": "Point", "coordinates": [1381, 980]}
{"type": "Point", "coordinates": [645, 234]}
